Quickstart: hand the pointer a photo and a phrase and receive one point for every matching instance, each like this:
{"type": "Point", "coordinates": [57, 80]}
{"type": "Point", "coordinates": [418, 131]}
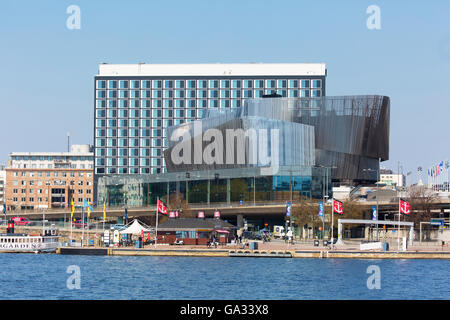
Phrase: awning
{"type": "Point", "coordinates": [221, 231]}
{"type": "Point", "coordinates": [135, 228]}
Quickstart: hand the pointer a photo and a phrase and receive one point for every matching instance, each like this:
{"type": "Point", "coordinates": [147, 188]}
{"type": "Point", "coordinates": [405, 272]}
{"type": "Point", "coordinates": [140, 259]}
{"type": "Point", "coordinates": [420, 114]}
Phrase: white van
{"type": "Point", "coordinates": [278, 232]}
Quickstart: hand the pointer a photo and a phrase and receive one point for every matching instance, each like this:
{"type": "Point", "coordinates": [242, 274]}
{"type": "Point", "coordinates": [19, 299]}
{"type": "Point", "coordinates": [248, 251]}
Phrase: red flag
{"type": "Point", "coordinates": [338, 207]}
{"type": "Point", "coordinates": [162, 207]}
{"type": "Point", "coordinates": [405, 207]}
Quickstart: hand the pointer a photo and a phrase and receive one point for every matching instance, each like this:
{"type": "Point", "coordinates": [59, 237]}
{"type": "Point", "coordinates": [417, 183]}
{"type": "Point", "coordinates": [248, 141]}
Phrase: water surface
{"type": "Point", "coordinates": [44, 276]}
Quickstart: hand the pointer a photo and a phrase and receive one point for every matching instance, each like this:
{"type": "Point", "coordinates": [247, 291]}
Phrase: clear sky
{"type": "Point", "coordinates": [47, 70]}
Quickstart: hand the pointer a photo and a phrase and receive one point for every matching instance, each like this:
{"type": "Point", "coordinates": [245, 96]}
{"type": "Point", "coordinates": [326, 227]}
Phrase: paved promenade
{"type": "Point", "coordinates": [349, 246]}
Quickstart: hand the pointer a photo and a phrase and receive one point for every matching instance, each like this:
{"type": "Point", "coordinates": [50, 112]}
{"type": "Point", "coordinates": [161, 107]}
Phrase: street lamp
{"type": "Point", "coordinates": [378, 190]}
{"type": "Point", "coordinates": [188, 175]}
{"type": "Point", "coordinates": [325, 196]}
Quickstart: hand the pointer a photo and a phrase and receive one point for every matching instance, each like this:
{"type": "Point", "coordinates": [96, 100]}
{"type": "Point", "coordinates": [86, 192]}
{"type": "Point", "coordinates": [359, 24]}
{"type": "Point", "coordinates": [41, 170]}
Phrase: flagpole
{"type": "Point", "coordinates": [89, 215]}
{"type": "Point", "coordinates": [156, 229]}
{"type": "Point", "coordinates": [104, 216]}
{"type": "Point", "coordinates": [71, 219]}
{"type": "Point", "coordinates": [82, 224]}
{"type": "Point", "coordinates": [332, 221]}
{"type": "Point", "coordinates": [398, 227]}
{"type": "Point", "coordinates": [446, 164]}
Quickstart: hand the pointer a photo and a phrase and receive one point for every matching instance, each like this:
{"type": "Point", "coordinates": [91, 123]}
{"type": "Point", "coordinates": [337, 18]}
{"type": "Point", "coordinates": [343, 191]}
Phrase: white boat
{"type": "Point", "coordinates": [20, 242]}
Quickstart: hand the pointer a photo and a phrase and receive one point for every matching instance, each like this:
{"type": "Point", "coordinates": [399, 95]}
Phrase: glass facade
{"type": "Point", "coordinates": [123, 106]}
{"type": "Point", "coordinates": [226, 186]}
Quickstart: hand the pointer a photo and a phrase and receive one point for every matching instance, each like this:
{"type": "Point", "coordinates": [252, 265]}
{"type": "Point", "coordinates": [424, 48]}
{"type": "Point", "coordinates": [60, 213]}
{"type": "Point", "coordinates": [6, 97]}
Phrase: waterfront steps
{"type": "Point", "coordinates": [323, 254]}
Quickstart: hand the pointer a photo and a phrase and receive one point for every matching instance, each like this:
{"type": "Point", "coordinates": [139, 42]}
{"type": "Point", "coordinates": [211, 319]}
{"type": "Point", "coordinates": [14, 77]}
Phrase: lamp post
{"type": "Point", "coordinates": [188, 175]}
{"type": "Point", "coordinates": [325, 197]}
{"type": "Point", "coordinates": [378, 190]}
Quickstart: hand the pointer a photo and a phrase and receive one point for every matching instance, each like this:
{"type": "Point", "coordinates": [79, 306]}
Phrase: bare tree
{"type": "Point", "coordinates": [352, 210]}
{"type": "Point", "coordinates": [305, 211]}
{"type": "Point", "coordinates": [421, 200]}
{"type": "Point", "coordinates": [178, 202]}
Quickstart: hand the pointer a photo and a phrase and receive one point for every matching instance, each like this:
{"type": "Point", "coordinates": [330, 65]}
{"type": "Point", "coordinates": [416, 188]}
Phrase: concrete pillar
{"type": "Point", "coordinates": [411, 235]}
{"type": "Point", "coordinates": [168, 193]}
{"type": "Point", "coordinates": [228, 191]}
{"type": "Point", "coordinates": [339, 240]}
{"type": "Point", "coordinates": [209, 192]}
{"type": "Point", "coordinates": [240, 221]}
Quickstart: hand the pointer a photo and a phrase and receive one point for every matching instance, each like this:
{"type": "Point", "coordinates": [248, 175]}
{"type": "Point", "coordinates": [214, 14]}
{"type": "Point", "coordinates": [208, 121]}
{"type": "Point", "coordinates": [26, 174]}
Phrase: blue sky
{"type": "Point", "coordinates": [47, 70]}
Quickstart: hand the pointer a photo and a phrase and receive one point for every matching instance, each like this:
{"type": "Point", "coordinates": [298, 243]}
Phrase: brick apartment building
{"type": "Point", "coordinates": [46, 180]}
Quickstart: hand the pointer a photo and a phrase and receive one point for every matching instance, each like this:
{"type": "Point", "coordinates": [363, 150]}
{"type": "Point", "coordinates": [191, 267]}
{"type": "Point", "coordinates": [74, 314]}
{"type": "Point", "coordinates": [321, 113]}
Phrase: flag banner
{"type": "Point", "coordinates": [162, 207]}
{"type": "Point", "coordinates": [72, 208]}
{"type": "Point", "coordinates": [320, 209]}
{"type": "Point", "coordinates": [405, 207]}
{"type": "Point", "coordinates": [89, 207]}
{"type": "Point", "coordinates": [4, 209]}
{"type": "Point", "coordinates": [104, 210]}
{"type": "Point", "coordinates": [374, 212]}
{"type": "Point", "coordinates": [338, 207]}
{"type": "Point", "coordinates": [288, 209]}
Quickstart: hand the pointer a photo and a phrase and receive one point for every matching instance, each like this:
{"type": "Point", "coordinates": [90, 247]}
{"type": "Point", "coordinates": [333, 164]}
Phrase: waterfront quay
{"type": "Point", "coordinates": [276, 248]}
{"type": "Point", "coordinates": [273, 249]}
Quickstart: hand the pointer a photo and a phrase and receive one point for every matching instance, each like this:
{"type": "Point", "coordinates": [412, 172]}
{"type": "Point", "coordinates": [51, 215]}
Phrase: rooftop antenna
{"type": "Point", "coordinates": [68, 141]}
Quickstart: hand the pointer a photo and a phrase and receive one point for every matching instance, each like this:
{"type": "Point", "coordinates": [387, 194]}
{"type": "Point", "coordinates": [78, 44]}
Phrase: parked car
{"type": "Point", "coordinates": [249, 235]}
{"type": "Point", "coordinates": [278, 232]}
{"type": "Point", "coordinates": [264, 234]}
{"type": "Point", "coordinates": [22, 221]}
{"type": "Point", "coordinates": [119, 227]}
{"type": "Point", "coordinates": [79, 224]}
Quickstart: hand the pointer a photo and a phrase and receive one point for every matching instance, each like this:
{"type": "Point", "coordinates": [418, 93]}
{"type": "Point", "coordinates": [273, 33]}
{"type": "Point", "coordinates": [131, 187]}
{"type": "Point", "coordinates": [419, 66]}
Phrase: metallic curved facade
{"type": "Point", "coordinates": [346, 133]}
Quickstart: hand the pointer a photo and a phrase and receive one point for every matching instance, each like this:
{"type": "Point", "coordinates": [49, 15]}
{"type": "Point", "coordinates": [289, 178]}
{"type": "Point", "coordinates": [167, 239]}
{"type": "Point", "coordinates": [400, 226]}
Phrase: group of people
{"type": "Point", "coordinates": [212, 242]}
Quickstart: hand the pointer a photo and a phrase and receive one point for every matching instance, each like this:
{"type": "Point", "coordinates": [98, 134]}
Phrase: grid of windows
{"type": "Point", "coordinates": [132, 114]}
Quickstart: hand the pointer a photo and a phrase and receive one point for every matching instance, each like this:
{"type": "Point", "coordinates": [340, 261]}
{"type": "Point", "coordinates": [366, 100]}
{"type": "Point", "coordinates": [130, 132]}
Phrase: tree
{"type": "Point", "coordinates": [421, 200]}
{"type": "Point", "coordinates": [305, 211]}
{"type": "Point", "coordinates": [177, 202]}
{"type": "Point", "coordinates": [352, 210]}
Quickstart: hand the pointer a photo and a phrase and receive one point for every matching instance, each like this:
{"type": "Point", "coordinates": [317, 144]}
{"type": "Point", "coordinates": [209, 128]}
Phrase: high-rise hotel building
{"type": "Point", "coordinates": [136, 103]}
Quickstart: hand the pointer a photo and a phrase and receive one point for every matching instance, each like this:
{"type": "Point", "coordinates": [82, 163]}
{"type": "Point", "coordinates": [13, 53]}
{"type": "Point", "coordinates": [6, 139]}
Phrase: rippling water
{"type": "Point", "coordinates": [44, 276]}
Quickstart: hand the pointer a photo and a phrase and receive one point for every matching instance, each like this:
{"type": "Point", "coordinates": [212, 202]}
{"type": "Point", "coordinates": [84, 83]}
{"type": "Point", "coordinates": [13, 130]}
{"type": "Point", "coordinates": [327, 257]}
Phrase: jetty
{"type": "Point", "coordinates": [246, 253]}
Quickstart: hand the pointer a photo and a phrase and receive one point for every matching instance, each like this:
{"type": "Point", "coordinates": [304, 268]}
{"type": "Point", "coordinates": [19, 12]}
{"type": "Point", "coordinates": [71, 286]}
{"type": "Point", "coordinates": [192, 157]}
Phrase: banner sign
{"type": "Point", "coordinates": [320, 209]}
{"type": "Point", "coordinates": [116, 236]}
{"type": "Point", "coordinates": [374, 213]}
{"type": "Point", "coordinates": [288, 209]}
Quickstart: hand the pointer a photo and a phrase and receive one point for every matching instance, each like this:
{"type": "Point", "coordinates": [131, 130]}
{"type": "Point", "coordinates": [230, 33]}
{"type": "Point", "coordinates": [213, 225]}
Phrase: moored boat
{"type": "Point", "coordinates": [21, 242]}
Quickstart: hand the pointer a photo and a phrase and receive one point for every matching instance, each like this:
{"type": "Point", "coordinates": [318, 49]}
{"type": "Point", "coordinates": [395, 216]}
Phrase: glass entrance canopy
{"type": "Point", "coordinates": [223, 187]}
